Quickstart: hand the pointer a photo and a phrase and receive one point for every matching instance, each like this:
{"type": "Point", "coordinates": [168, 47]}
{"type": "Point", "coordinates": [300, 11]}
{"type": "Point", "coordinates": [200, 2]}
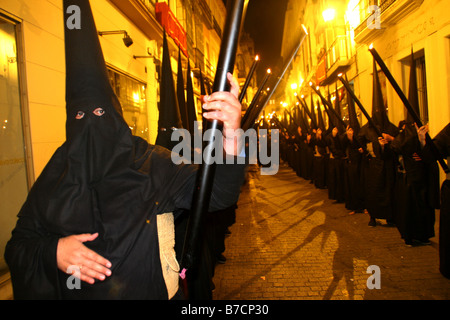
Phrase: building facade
{"type": "Point", "coordinates": [340, 33]}
{"type": "Point", "coordinates": [32, 78]}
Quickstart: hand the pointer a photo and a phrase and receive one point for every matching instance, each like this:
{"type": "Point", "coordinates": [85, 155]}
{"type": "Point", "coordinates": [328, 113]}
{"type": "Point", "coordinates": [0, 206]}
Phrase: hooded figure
{"type": "Point", "coordinates": [354, 178]}
{"type": "Point", "coordinates": [108, 186]}
{"type": "Point", "coordinates": [380, 171]}
{"type": "Point", "coordinates": [169, 110]}
{"type": "Point", "coordinates": [320, 151]}
{"type": "Point", "coordinates": [417, 183]}
{"type": "Point", "coordinates": [337, 155]}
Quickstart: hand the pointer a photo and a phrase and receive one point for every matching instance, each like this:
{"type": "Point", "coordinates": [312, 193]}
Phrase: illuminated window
{"type": "Point", "coordinates": [132, 96]}
{"type": "Point", "coordinates": [15, 171]}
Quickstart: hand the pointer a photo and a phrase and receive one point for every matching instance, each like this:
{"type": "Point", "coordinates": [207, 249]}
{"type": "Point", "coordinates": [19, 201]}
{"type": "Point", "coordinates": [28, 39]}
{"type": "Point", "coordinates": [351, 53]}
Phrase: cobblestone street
{"type": "Point", "coordinates": [290, 242]}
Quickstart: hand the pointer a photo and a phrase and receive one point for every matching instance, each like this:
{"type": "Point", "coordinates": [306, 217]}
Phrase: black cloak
{"type": "Point", "coordinates": [102, 179]}
{"type": "Point", "coordinates": [380, 169]}
{"type": "Point", "coordinates": [442, 143]}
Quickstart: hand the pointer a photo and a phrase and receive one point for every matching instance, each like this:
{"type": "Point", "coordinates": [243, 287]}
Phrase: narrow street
{"type": "Point", "coordinates": [290, 242]}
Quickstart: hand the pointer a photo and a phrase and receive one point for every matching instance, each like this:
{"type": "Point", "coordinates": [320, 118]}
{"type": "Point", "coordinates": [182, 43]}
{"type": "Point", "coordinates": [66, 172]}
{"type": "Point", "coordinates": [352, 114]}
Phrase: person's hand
{"type": "Point", "coordinates": [72, 252]}
{"type": "Point", "coordinates": [319, 133]}
{"type": "Point", "coordinates": [421, 133]}
{"type": "Point", "coordinates": [387, 137]}
{"type": "Point", "coordinates": [225, 107]}
{"type": "Point", "coordinates": [334, 132]}
{"type": "Point", "coordinates": [382, 141]}
{"type": "Point", "coordinates": [349, 133]}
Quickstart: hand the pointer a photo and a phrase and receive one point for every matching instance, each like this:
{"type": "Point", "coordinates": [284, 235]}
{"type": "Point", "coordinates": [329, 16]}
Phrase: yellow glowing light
{"type": "Point", "coordinates": [303, 96]}
{"type": "Point", "coordinates": [269, 71]}
{"type": "Point", "coordinates": [340, 75]}
{"type": "Point", "coordinates": [304, 28]}
{"type": "Point", "coordinates": [353, 14]}
{"type": "Point", "coordinates": [285, 104]}
{"type": "Point", "coordinates": [371, 46]}
{"type": "Point", "coordinates": [256, 58]}
{"type": "Point", "coordinates": [310, 83]}
{"type": "Point", "coordinates": [329, 14]}
{"type": "Point", "coordinates": [294, 86]}
{"type": "Point", "coordinates": [136, 97]}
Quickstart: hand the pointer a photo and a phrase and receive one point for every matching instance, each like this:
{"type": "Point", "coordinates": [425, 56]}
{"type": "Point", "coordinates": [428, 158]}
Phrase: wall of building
{"type": "Point", "coordinates": [422, 25]}
{"type": "Point", "coordinates": [44, 65]}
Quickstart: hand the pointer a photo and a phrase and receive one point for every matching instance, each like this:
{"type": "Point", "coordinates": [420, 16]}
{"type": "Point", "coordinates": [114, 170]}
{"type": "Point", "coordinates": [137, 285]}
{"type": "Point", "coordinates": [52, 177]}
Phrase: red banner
{"type": "Point", "coordinates": [172, 26]}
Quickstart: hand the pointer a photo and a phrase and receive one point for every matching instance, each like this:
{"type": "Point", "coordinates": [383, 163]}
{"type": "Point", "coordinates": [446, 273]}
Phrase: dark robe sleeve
{"type": "Point", "coordinates": [442, 143]}
{"type": "Point", "coordinates": [177, 182]}
{"type": "Point", "coordinates": [31, 257]}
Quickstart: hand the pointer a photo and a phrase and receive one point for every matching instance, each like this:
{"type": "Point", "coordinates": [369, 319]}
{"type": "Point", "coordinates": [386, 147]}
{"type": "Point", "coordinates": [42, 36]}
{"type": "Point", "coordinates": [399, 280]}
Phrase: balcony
{"type": "Point", "coordinates": [336, 59]}
{"type": "Point", "coordinates": [390, 12]}
{"type": "Point", "coordinates": [142, 13]}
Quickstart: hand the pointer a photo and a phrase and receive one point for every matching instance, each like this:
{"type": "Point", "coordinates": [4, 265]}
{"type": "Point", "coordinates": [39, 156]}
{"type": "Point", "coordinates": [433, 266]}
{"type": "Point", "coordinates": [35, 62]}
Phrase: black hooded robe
{"type": "Point", "coordinates": [379, 174]}
{"type": "Point", "coordinates": [103, 180]}
{"type": "Point", "coordinates": [415, 183]}
{"type": "Point", "coordinates": [442, 142]}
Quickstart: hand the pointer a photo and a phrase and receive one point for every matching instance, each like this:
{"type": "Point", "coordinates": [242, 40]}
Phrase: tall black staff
{"type": "Point", "coordinates": [327, 104]}
{"type": "Point", "coordinates": [303, 35]}
{"type": "Point", "coordinates": [244, 122]}
{"type": "Point", "coordinates": [249, 77]}
{"type": "Point", "coordinates": [361, 107]}
{"type": "Point", "coordinates": [408, 106]}
{"type": "Point", "coordinates": [205, 178]}
{"type": "Point", "coordinates": [305, 106]}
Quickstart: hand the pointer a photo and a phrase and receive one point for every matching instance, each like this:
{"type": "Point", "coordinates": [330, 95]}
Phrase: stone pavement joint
{"type": "Point", "coordinates": [290, 242]}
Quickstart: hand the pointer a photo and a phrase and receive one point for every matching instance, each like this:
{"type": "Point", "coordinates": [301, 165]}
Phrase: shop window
{"type": "Point", "coordinates": [132, 96]}
{"type": "Point", "coordinates": [14, 176]}
{"type": "Point", "coordinates": [420, 70]}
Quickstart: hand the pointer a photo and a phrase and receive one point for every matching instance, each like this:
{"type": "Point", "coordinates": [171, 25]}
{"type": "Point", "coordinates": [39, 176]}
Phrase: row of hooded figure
{"type": "Point", "coordinates": [385, 177]}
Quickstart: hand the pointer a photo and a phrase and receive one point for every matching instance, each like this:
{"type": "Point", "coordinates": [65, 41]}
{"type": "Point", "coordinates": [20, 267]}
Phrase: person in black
{"type": "Point", "coordinates": [442, 143]}
{"type": "Point", "coordinates": [354, 179]}
{"type": "Point", "coordinates": [415, 184]}
{"type": "Point", "coordinates": [97, 203]}
{"type": "Point", "coordinates": [379, 171]}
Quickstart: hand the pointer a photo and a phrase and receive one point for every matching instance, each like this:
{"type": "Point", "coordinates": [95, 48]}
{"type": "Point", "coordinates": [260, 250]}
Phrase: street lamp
{"type": "Point", "coordinates": [127, 41]}
{"type": "Point", "coordinates": [329, 14]}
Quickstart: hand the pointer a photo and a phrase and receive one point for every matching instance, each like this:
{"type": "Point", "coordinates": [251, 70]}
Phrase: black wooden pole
{"type": "Point", "coordinates": [327, 104]}
{"type": "Point", "coordinates": [249, 78]}
{"type": "Point", "coordinates": [303, 35]}
{"type": "Point", "coordinates": [408, 106]}
{"type": "Point", "coordinates": [205, 177]}
{"type": "Point", "coordinates": [361, 107]}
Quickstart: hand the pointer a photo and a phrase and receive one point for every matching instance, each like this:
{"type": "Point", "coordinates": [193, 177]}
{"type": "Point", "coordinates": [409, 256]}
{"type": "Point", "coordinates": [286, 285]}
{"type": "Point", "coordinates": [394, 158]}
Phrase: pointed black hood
{"type": "Point", "coordinates": [379, 115]}
{"type": "Point", "coordinates": [169, 112]}
{"type": "Point", "coordinates": [180, 93]}
{"type": "Point", "coordinates": [352, 117]}
{"type": "Point", "coordinates": [413, 93]}
{"type": "Point", "coordinates": [321, 123]}
{"type": "Point", "coordinates": [94, 125]}
{"type": "Point", "coordinates": [87, 81]}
